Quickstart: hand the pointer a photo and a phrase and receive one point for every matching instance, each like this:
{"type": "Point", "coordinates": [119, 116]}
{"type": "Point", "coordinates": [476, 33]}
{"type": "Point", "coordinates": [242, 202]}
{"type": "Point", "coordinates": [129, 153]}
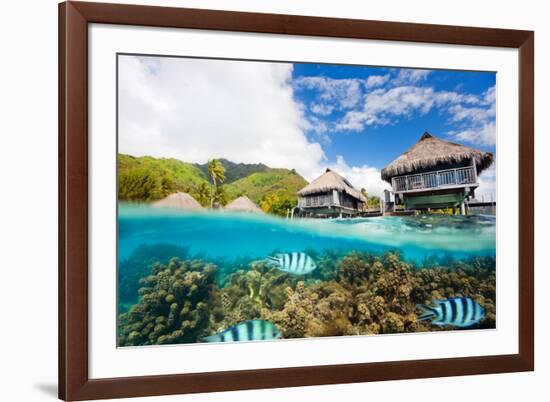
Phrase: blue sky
{"type": "Point", "coordinates": [330, 94]}
{"type": "Point", "coordinates": [308, 117]}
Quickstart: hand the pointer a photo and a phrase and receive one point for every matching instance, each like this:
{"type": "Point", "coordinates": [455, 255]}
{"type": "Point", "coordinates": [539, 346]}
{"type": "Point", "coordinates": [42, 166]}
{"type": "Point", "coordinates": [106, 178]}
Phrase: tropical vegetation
{"type": "Point", "coordinates": [216, 174]}
{"type": "Point", "coordinates": [372, 201]}
{"type": "Point", "coordinates": [217, 182]}
{"type": "Point", "coordinates": [147, 178]}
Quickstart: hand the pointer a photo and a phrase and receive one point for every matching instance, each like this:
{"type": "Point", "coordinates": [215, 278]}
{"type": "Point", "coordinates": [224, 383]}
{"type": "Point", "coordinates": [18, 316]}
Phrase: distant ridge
{"type": "Point", "coordinates": [235, 171]}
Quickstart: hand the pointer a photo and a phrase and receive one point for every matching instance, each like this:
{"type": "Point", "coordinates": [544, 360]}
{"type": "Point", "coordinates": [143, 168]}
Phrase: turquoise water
{"type": "Point", "coordinates": [220, 277]}
{"type": "Point", "coordinates": [214, 235]}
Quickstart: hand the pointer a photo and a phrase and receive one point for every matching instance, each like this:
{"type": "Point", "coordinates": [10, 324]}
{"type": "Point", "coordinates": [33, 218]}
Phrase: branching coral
{"type": "Point", "coordinates": [352, 294]}
{"type": "Point", "coordinates": [138, 265]}
{"type": "Point", "coordinates": [175, 305]}
{"type": "Point", "coordinates": [248, 293]}
{"type": "Point", "coordinates": [320, 309]}
{"type": "Point", "coordinates": [371, 295]}
{"type": "Point", "coordinates": [477, 281]}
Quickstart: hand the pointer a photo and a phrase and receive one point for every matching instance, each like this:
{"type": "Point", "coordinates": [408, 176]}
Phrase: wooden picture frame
{"type": "Point", "coordinates": [74, 381]}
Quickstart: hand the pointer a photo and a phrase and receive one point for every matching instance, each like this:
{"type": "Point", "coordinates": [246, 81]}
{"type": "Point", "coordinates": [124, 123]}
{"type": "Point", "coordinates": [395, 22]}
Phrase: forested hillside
{"type": "Point", "coordinates": [235, 171]}
{"type": "Point", "coordinates": [148, 179]}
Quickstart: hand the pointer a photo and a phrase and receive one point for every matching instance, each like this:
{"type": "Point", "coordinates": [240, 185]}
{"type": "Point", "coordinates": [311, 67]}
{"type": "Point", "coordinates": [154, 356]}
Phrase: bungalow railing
{"type": "Point", "coordinates": [436, 179]}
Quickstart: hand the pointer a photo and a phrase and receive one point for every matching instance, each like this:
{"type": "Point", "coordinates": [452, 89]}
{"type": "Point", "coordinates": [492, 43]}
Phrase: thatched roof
{"type": "Point", "coordinates": [328, 181]}
{"type": "Point", "coordinates": [178, 200]}
{"type": "Point", "coordinates": [431, 152]}
{"type": "Point", "coordinates": [243, 204]}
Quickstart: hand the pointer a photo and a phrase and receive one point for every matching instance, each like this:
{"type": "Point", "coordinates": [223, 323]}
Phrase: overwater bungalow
{"type": "Point", "coordinates": [243, 204]}
{"type": "Point", "coordinates": [435, 173]}
{"type": "Point", "coordinates": [179, 200]}
{"type": "Point", "coordinates": [330, 195]}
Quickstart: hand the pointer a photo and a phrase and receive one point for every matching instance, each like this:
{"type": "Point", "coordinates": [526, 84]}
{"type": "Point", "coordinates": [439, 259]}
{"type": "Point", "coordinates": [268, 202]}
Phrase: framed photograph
{"type": "Point", "coordinates": [259, 200]}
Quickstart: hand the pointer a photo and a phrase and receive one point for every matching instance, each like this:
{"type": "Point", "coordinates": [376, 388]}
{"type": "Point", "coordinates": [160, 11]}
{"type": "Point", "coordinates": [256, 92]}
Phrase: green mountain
{"type": "Point", "coordinates": [283, 183]}
{"type": "Point", "coordinates": [147, 178]}
{"type": "Point", "coordinates": [274, 190]}
{"type": "Point", "coordinates": [235, 171]}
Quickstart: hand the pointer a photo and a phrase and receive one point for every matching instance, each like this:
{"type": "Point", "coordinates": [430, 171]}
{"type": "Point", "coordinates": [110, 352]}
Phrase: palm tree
{"type": "Point", "coordinates": [202, 194]}
{"type": "Point", "coordinates": [216, 172]}
{"type": "Point", "coordinates": [220, 196]}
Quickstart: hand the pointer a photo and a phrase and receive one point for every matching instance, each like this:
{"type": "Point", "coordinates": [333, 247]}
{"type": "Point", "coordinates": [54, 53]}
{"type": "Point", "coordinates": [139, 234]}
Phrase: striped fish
{"type": "Point", "coordinates": [458, 312]}
{"type": "Point", "coordinates": [252, 330]}
{"type": "Point", "coordinates": [293, 263]}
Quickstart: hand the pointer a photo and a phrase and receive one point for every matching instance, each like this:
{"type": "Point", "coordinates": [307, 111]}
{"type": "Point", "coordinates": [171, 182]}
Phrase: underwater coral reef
{"type": "Point", "coordinates": [355, 293]}
{"type": "Point", "coordinates": [175, 305]}
{"type": "Point", "coordinates": [138, 265]}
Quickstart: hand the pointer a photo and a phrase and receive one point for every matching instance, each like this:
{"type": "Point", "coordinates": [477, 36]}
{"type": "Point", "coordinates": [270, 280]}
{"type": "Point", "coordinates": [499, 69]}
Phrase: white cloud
{"type": "Point", "coordinates": [476, 123]}
{"type": "Point", "coordinates": [487, 189]}
{"type": "Point", "coordinates": [322, 109]}
{"type": "Point", "coordinates": [195, 110]}
{"type": "Point", "coordinates": [490, 95]}
{"type": "Point", "coordinates": [341, 93]}
{"type": "Point", "coordinates": [364, 176]}
{"type": "Point", "coordinates": [374, 81]}
{"type": "Point", "coordinates": [382, 106]}
{"type": "Point", "coordinates": [484, 134]}
{"type": "Point", "coordinates": [381, 100]}
{"type": "Point", "coordinates": [461, 113]}
{"type": "Point", "coordinates": [410, 76]}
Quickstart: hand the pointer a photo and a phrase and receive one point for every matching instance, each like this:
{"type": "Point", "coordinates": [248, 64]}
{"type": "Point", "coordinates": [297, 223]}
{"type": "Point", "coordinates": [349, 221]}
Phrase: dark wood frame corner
{"type": "Point", "coordinates": [74, 382]}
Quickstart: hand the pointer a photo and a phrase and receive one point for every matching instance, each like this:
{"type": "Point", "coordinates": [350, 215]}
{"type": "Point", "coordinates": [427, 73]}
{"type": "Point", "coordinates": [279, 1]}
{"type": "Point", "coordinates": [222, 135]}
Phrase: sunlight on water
{"type": "Point", "coordinates": [233, 235]}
